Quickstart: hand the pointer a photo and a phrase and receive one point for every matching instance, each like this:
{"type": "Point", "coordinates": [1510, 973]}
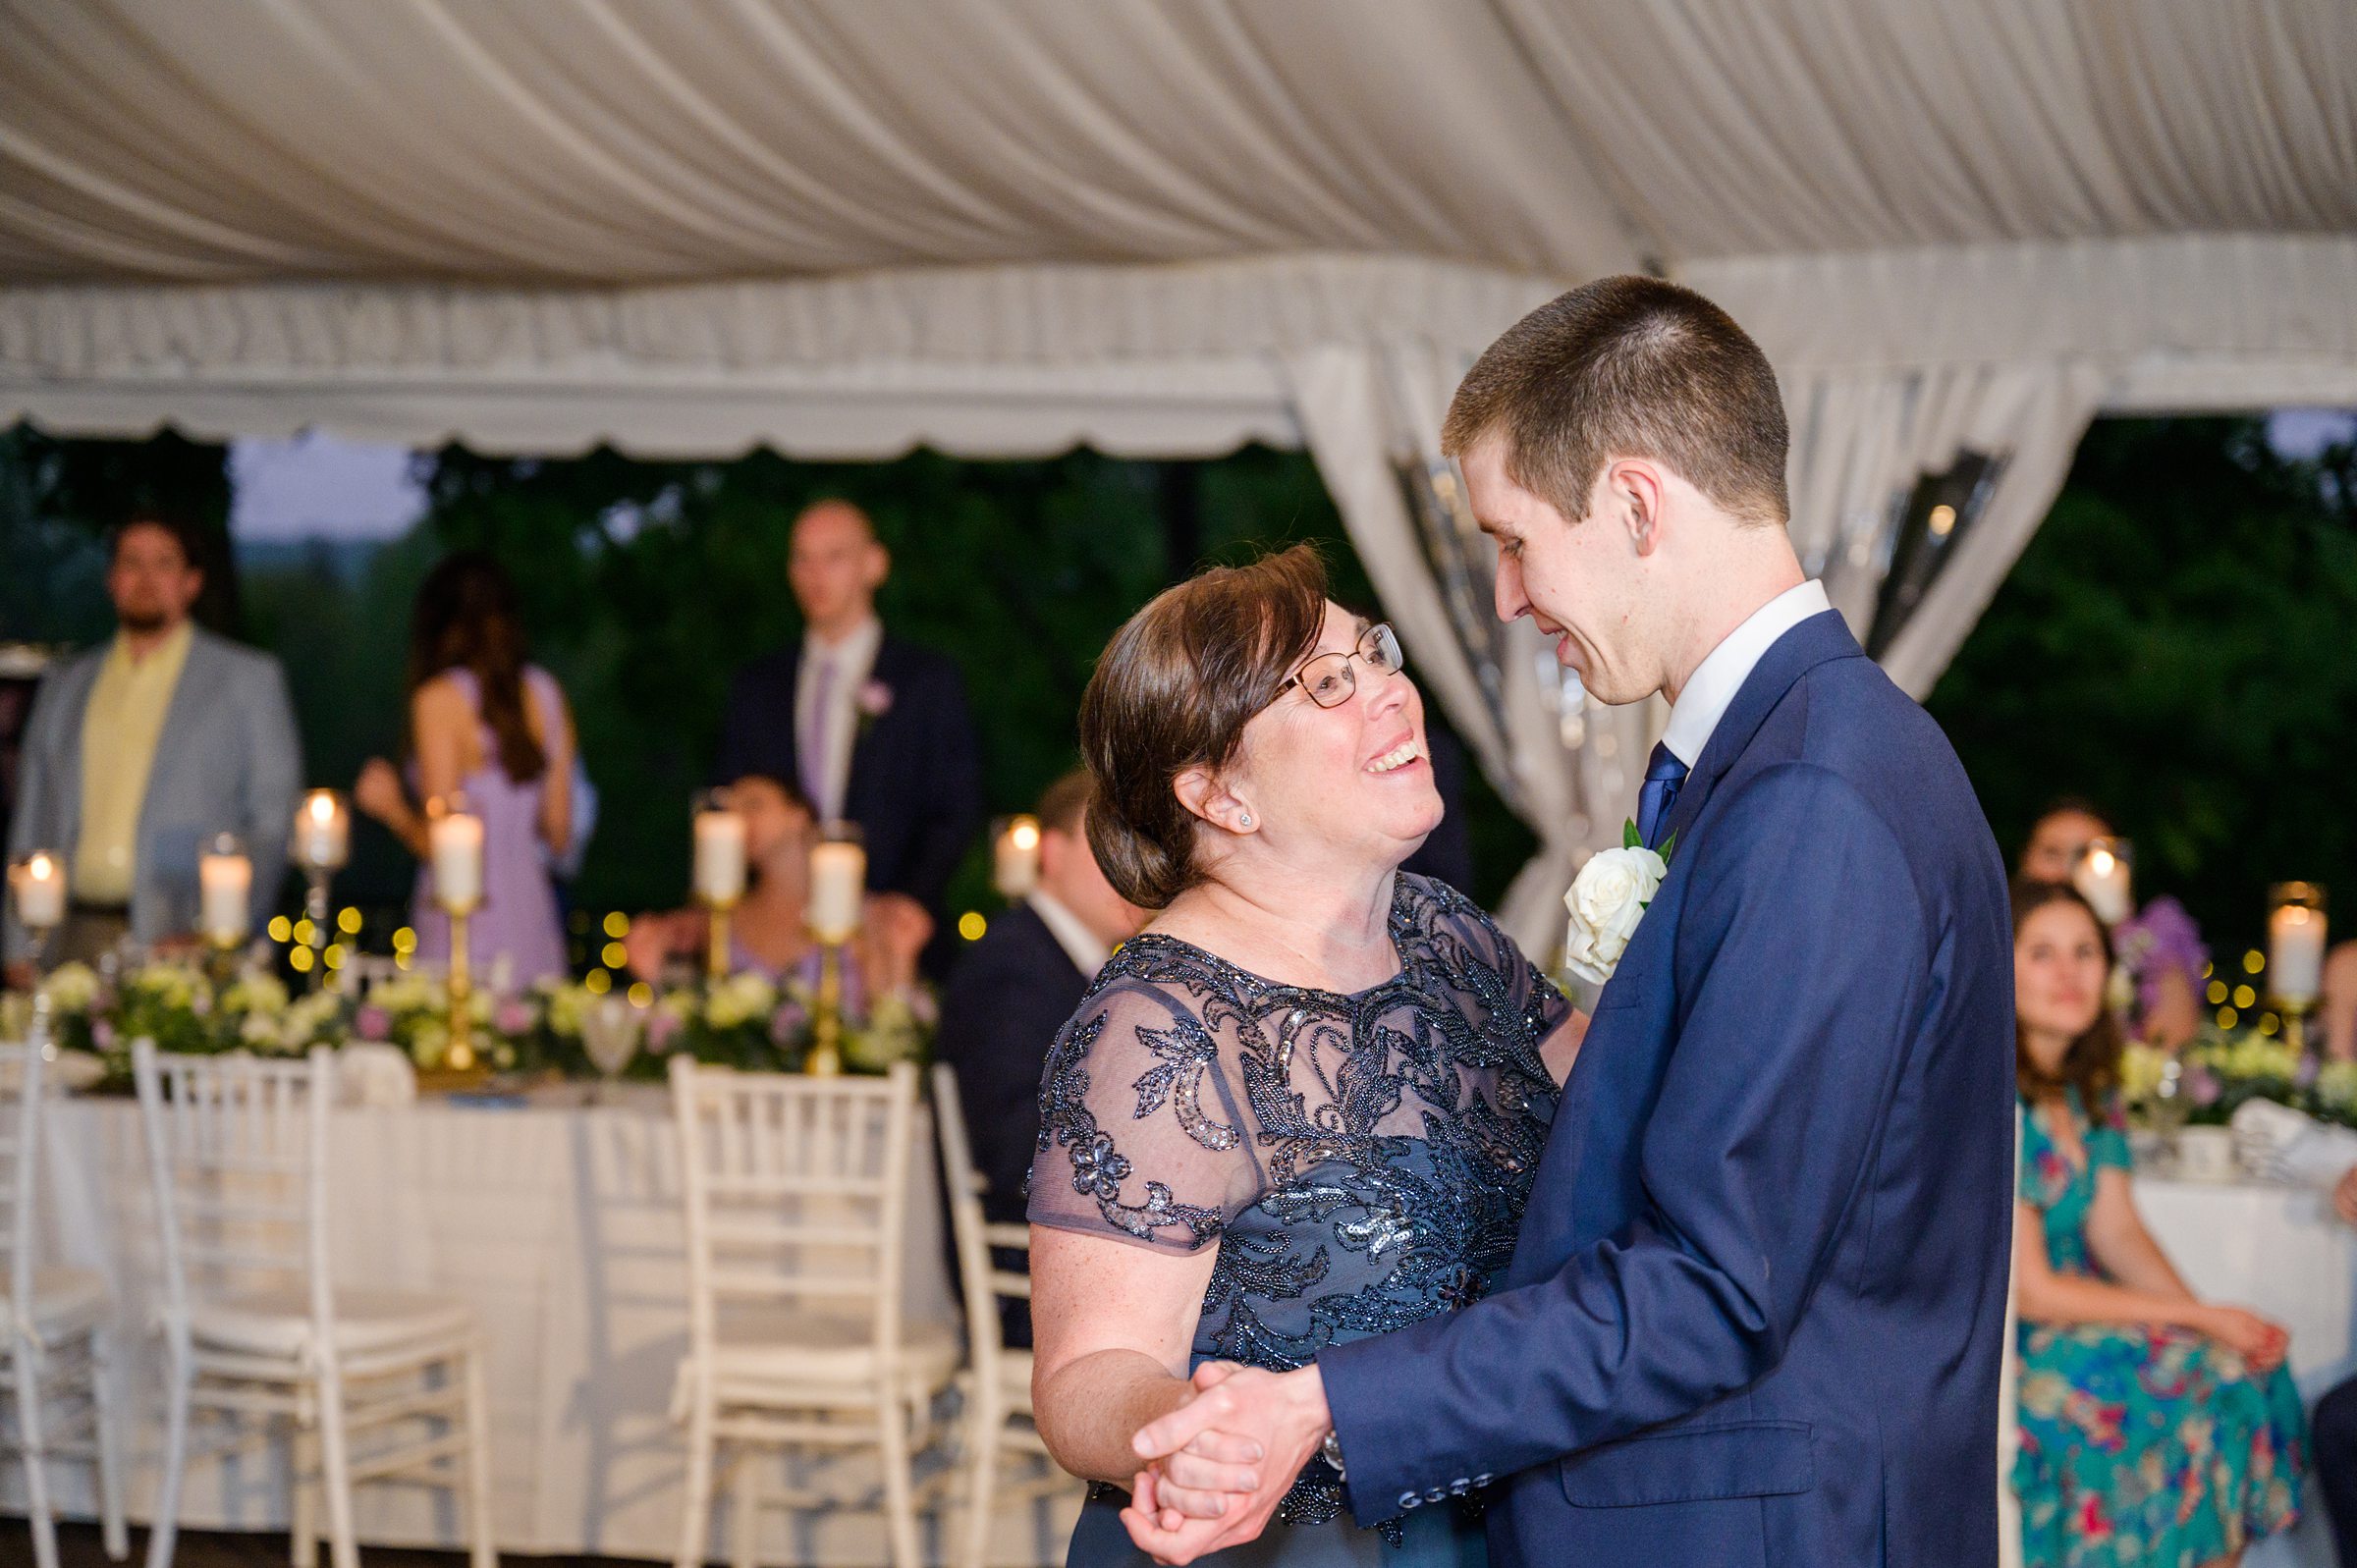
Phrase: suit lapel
{"type": "Point", "coordinates": [75, 686]}
{"type": "Point", "coordinates": [1816, 640]}
{"type": "Point", "coordinates": [886, 670]}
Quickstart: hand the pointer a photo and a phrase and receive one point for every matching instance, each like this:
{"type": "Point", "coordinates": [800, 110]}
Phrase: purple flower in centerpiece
{"type": "Point", "coordinates": [786, 1025]}
{"type": "Point", "coordinates": [372, 1023]}
{"type": "Point", "coordinates": [2304, 1075]}
{"type": "Point", "coordinates": [662, 1028]}
{"type": "Point", "coordinates": [201, 1005]}
{"type": "Point", "coordinates": [923, 1004]}
{"type": "Point", "coordinates": [102, 1034]}
{"type": "Point", "coordinates": [2202, 1087]}
{"type": "Point", "coordinates": [513, 1015]}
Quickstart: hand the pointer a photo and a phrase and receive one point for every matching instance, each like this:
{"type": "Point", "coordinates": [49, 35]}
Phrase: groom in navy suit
{"type": "Point", "coordinates": [1756, 1312]}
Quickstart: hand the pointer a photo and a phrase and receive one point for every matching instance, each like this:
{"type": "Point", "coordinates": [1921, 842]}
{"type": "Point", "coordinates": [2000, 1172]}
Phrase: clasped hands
{"type": "Point", "coordinates": [1217, 1467]}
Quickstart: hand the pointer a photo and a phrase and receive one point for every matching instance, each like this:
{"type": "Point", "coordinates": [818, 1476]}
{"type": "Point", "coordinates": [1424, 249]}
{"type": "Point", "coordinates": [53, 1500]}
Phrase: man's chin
{"type": "Point", "coordinates": [142, 623]}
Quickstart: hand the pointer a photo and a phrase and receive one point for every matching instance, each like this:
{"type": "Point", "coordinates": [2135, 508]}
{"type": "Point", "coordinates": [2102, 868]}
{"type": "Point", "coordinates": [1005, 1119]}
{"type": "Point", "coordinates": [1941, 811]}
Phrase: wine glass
{"type": "Point", "coordinates": [610, 1031]}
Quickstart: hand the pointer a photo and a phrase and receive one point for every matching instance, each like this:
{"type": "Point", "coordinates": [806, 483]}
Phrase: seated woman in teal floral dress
{"type": "Point", "coordinates": [2157, 1430]}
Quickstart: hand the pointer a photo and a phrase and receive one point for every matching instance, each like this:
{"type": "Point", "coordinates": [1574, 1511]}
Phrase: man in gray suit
{"type": "Point", "coordinates": [139, 751]}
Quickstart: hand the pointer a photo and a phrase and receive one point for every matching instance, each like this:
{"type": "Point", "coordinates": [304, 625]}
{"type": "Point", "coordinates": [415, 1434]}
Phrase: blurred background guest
{"type": "Point", "coordinates": [485, 722]}
{"type": "Point", "coordinates": [2160, 948]}
{"type": "Point", "coordinates": [137, 752]}
{"type": "Point", "coordinates": [1011, 993]}
{"type": "Point", "coordinates": [767, 935]}
{"type": "Point", "coordinates": [874, 730]}
{"type": "Point", "coordinates": [2338, 1010]}
{"type": "Point", "coordinates": [2155, 1426]}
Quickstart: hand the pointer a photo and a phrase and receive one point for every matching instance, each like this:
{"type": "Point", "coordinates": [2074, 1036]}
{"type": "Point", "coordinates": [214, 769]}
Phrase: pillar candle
{"type": "Point", "coordinates": [719, 858]}
{"type": "Point", "coordinates": [2103, 880]}
{"type": "Point", "coordinates": [2295, 960]}
{"type": "Point", "coordinates": [39, 885]}
{"type": "Point", "coordinates": [225, 885]}
{"type": "Point", "coordinates": [838, 879]}
{"type": "Point", "coordinates": [322, 832]}
{"type": "Point", "coordinates": [1015, 858]}
{"type": "Point", "coordinates": [456, 842]}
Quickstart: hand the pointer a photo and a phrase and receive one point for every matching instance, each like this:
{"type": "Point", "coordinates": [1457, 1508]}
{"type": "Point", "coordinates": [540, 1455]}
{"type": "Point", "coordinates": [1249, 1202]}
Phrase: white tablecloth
{"type": "Point", "coordinates": [562, 1227]}
{"type": "Point", "coordinates": [2278, 1251]}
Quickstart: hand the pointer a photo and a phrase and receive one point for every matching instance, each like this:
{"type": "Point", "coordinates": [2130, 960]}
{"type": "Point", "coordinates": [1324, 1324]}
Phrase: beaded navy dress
{"type": "Point", "coordinates": [1360, 1161]}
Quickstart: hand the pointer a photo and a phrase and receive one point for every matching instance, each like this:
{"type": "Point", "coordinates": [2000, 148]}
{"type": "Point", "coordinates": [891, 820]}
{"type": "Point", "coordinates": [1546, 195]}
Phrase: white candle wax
{"type": "Point", "coordinates": [2295, 960]}
{"type": "Point", "coordinates": [719, 858]}
{"type": "Point", "coordinates": [2103, 880]}
{"type": "Point", "coordinates": [322, 832]}
{"type": "Point", "coordinates": [225, 885]}
{"type": "Point", "coordinates": [1014, 859]}
{"type": "Point", "coordinates": [457, 842]}
{"type": "Point", "coordinates": [41, 888]}
{"type": "Point", "coordinates": [838, 879]}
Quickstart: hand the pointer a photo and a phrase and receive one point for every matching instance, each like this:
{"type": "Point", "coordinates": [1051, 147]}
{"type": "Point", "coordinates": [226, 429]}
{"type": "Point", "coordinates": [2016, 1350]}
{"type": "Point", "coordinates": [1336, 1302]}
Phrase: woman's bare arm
{"type": "Point", "coordinates": [1561, 1050]}
{"type": "Point", "coordinates": [555, 787]}
{"type": "Point", "coordinates": [2045, 1296]}
{"type": "Point", "coordinates": [2122, 1247]}
{"type": "Point", "coordinates": [1111, 1329]}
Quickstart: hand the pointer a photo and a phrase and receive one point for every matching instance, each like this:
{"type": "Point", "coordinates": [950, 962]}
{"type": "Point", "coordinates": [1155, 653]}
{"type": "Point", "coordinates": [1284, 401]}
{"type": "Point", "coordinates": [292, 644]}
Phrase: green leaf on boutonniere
{"type": "Point", "coordinates": [1669, 848]}
{"type": "Point", "coordinates": [1628, 836]}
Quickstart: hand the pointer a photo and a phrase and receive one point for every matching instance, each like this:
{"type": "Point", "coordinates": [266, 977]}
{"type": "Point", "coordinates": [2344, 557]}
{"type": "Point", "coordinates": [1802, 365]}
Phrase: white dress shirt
{"type": "Point", "coordinates": [1721, 673]}
{"type": "Point", "coordinates": [854, 660]}
{"type": "Point", "coordinates": [1079, 943]}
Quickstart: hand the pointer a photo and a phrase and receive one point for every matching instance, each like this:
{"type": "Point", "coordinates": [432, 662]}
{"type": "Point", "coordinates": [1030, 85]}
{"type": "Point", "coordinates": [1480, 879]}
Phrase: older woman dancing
{"type": "Point", "coordinates": [1306, 1104]}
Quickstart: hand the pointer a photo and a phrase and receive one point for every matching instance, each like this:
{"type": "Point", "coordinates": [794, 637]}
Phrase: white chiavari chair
{"type": "Point", "coordinates": [368, 1385]}
{"type": "Point", "coordinates": [998, 1393]}
{"type": "Point", "coordinates": [53, 1343]}
{"type": "Point", "coordinates": [797, 1193]}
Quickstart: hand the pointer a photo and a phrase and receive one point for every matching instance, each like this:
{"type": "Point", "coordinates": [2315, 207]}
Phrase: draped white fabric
{"type": "Point", "coordinates": [206, 140]}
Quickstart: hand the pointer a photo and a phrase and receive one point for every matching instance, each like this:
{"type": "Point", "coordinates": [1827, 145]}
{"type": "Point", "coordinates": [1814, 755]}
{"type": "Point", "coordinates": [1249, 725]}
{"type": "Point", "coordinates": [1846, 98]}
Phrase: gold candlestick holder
{"type": "Point", "coordinates": [826, 1024]}
{"type": "Point", "coordinates": [460, 1058]}
{"type": "Point", "coordinates": [716, 945]}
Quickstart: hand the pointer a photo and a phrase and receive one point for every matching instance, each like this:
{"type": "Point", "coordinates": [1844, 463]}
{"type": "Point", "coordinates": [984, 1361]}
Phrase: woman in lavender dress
{"type": "Point", "coordinates": [486, 723]}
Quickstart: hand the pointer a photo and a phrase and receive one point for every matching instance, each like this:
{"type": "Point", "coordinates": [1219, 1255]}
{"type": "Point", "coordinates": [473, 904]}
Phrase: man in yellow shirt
{"type": "Point", "coordinates": [138, 752]}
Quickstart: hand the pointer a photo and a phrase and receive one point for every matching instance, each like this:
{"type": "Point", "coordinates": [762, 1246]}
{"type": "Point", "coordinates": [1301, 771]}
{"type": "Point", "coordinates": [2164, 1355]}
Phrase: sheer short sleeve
{"type": "Point", "coordinates": [2108, 1135]}
{"type": "Point", "coordinates": [1141, 1136]}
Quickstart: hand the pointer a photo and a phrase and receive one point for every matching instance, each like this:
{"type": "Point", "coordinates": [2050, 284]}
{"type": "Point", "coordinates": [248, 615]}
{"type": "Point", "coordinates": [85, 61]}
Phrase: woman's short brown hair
{"type": "Point", "coordinates": [1173, 690]}
{"type": "Point", "coordinates": [2092, 1064]}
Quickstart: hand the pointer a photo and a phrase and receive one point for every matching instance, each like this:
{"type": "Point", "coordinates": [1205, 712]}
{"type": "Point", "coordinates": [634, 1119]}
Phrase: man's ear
{"type": "Point", "coordinates": [1635, 490]}
{"type": "Point", "coordinates": [879, 567]}
{"type": "Point", "coordinates": [1211, 802]}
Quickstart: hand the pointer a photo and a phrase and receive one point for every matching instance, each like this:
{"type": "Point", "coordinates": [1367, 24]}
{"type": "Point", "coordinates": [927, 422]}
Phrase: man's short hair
{"type": "Point", "coordinates": [1630, 367]}
{"type": "Point", "coordinates": [180, 533]}
{"type": "Point", "coordinates": [1063, 803]}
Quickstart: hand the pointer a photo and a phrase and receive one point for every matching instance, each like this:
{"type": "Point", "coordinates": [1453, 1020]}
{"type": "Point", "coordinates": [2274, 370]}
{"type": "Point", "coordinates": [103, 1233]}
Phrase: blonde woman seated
{"type": "Point", "coordinates": [2157, 1430]}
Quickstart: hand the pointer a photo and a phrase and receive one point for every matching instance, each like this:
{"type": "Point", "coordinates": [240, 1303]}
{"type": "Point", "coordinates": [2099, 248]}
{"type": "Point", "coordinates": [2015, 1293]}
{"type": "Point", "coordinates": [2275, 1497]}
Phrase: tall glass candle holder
{"type": "Point", "coordinates": [455, 849]}
{"type": "Point", "coordinates": [322, 846]}
{"type": "Point", "coordinates": [838, 890]}
{"type": "Point", "coordinates": [719, 873]}
{"type": "Point", "coordinates": [225, 899]}
{"type": "Point", "coordinates": [2295, 954]}
{"type": "Point", "coordinates": [36, 885]}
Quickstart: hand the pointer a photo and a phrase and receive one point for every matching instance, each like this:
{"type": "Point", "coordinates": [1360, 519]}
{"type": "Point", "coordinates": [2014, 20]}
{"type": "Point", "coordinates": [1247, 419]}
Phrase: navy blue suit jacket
{"type": "Point", "coordinates": [1756, 1309]}
{"type": "Point", "coordinates": [1009, 995]}
{"type": "Point", "coordinates": [916, 784]}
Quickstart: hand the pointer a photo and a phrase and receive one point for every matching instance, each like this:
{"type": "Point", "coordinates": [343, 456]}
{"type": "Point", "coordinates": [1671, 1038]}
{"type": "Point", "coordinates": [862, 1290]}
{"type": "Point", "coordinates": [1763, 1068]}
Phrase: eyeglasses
{"type": "Point", "coordinates": [1328, 679]}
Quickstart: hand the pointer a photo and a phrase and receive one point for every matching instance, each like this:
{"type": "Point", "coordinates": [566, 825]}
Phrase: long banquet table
{"type": "Point", "coordinates": [561, 1225]}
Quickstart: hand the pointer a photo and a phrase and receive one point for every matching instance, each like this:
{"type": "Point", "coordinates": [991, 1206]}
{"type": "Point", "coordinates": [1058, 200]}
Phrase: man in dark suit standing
{"type": "Point", "coordinates": [874, 730]}
{"type": "Point", "coordinates": [1012, 991]}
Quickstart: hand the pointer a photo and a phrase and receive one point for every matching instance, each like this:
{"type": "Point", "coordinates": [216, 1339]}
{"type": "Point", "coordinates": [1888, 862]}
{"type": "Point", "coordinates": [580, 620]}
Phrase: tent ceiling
{"type": "Point", "coordinates": [609, 142]}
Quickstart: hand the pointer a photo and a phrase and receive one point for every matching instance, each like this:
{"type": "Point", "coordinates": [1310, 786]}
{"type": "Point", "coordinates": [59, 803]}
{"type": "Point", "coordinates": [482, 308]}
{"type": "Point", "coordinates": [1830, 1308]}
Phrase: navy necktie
{"type": "Point", "coordinates": [1663, 774]}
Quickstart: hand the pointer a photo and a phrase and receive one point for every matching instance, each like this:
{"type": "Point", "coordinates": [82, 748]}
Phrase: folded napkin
{"type": "Point", "coordinates": [2280, 1143]}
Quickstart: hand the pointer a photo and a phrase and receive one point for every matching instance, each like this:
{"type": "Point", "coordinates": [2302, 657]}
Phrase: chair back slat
{"type": "Point", "coordinates": [21, 1160]}
{"type": "Point", "coordinates": [237, 1147]}
{"type": "Point", "coordinates": [982, 1283]}
{"type": "Point", "coordinates": [797, 1191]}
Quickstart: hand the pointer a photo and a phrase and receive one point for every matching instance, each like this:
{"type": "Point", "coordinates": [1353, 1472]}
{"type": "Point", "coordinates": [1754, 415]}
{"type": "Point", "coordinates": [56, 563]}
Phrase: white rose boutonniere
{"type": "Point", "coordinates": [1607, 899]}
